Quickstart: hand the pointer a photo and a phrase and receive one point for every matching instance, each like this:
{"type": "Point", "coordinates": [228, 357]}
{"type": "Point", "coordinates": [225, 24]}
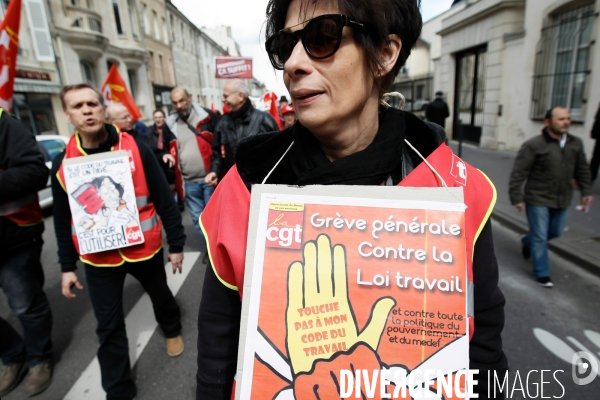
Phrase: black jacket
{"type": "Point", "coordinates": [220, 308]}
{"type": "Point", "coordinates": [229, 133]}
{"type": "Point", "coordinates": [596, 128]}
{"type": "Point", "coordinates": [549, 172]}
{"type": "Point", "coordinates": [152, 141]}
{"type": "Point", "coordinates": [160, 195]}
{"type": "Point", "coordinates": [437, 111]}
{"type": "Point", "coordinates": [22, 172]}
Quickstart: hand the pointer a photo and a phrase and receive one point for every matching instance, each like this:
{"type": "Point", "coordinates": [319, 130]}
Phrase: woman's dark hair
{"type": "Point", "coordinates": [160, 111]}
{"type": "Point", "coordinates": [98, 182]}
{"type": "Point", "coordinates": [400, 17]}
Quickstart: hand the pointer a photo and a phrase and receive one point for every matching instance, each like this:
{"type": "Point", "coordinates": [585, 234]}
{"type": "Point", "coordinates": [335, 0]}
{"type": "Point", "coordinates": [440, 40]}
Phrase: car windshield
{"type": "Point", "coordinates": [54, 147]}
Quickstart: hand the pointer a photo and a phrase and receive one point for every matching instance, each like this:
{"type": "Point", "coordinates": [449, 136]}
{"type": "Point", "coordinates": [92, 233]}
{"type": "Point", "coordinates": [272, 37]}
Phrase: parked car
{"type": "Point", "coordinates": [50, 146]}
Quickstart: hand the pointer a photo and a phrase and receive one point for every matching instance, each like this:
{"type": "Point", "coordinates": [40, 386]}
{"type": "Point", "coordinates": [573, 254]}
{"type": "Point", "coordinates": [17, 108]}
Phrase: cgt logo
{"type": "Point", "coordinates": [284, 230]}
{"type": "Point", "coordinates": [134, 235]}
{"type": "Point", "coordinates": [459, 170]}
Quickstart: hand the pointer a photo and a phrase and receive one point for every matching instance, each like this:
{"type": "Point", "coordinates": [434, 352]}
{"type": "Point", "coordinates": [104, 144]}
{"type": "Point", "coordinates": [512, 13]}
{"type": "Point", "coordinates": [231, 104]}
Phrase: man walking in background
{"type": "Point", "coordinates": [22, 173]}
{"type": "Point", "coordinates": [437, 110]}
{"type": "Point", "coordinates": [595, 162]}
{"type": "Point", "coordinates": [192, 126]}
{"type": "Point", "coordinates": [547, 164]}
{"type": "Point", "coordinates": [242, 121]}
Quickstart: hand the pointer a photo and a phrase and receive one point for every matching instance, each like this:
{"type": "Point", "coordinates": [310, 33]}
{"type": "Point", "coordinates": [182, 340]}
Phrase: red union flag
{"type": "Point", "coordinates": [9, 43]}
{"type": "Point", "coordinates": [271, 105]}
{"type": "Point", "coordinates": [114, 91]}
{"type": "Point", "coordinates": [233, 67]}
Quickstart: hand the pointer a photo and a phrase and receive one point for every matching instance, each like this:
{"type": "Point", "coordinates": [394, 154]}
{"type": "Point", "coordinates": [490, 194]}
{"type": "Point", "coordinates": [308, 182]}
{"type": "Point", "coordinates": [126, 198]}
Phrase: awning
{"type": "Point", "coordinates": [36, 86]}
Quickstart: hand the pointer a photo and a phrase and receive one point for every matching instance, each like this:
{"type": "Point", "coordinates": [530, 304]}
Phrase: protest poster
{"type": "Point", "coordinates": [102, 201]}
{"type": "Point", "coordinates": [340, 279]}
{"type": "Point", "coordinates": [230, 67]}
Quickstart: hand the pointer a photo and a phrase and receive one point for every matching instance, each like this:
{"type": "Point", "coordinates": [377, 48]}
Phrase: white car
{"type": "Point", "coordinates": [50, 146]}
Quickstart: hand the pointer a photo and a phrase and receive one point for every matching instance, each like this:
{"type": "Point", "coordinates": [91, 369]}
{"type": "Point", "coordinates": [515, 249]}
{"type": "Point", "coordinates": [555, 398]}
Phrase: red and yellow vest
{"type": "Point", "coordinates": [25, 211]}
{"type": "Point", "coordinates": [225, 218]}
{"type": "Point", "coordinates": [149, 219]}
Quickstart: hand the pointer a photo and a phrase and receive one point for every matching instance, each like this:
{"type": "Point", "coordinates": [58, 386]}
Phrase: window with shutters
{"type": "Point", "coordinates": [132, 18]}
{"type": "Point", "coordinates": [164, 31]}
{"type": "Point", "coordinates": [117, 12]}
{"type": "Point", "coordinates": [88, 73]}
{"type": "Point", "coordinates": [38, 24]}
{"type": "Point", "coordinates": [562, 60]}
{"type": "Point", "coordinates": [155, 23]}
{"type": "Point", "coordinates": [162, 69]}
{"type": "Point", "coordinates": [151, 66]}
{"type": "Point", "coordinates": [145, 18]}
{"type": "Point", "coordinates": [95, 24]}
{"type": "Point", "coordinates": [131, 74]}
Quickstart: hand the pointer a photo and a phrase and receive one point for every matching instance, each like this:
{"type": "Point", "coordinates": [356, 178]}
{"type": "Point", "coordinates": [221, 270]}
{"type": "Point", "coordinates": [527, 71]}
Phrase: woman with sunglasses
{"type": "Point", "coordinates": [338, 59]}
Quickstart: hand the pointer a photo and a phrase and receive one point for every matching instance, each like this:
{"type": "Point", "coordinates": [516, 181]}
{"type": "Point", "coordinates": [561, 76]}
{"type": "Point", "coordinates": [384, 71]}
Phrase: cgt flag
{"type": "Point", "coordinates": [9, 43]}
{"type": "Point", "coordinates": [115, 91]}
{"type": "Point", "coordinates": [270, 100]}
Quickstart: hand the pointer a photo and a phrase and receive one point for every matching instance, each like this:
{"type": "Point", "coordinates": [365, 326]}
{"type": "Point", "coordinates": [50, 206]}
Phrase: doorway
{"type": "Point", "coordinates": [471, 67]}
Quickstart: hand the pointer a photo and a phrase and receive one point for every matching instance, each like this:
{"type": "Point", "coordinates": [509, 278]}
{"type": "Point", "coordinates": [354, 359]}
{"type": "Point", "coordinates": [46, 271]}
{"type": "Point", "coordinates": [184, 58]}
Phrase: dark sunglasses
{"type": "Point", "coordinates": [321, 38]}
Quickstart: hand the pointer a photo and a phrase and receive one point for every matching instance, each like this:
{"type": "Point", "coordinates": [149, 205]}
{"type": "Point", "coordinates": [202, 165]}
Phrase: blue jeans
{"type": "Point", "coordinates": [22, 279]}
{"type": "Point", "coordinates": [544, 224]}
{"type": "Point", "coordinates": [197, 195]}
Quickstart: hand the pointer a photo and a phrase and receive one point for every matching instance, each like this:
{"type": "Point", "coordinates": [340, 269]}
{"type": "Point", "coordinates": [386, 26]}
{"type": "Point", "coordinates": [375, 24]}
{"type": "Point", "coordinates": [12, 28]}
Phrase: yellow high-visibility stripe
{"type": "Point", "coordinates": [140, 259]}
{"type": "Point", "coordinates": [210, 257]}
{"type": "Point", "coordinates": [487, 214]}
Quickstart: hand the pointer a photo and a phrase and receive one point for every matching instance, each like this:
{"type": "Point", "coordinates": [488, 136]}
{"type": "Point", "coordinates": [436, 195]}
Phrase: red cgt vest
{"type": "Point", "coordinates": [25, 211]}
{"type": "Point", "coordinates": [225, 218]}
{"type": "Point", "coordinates": [149, 219]}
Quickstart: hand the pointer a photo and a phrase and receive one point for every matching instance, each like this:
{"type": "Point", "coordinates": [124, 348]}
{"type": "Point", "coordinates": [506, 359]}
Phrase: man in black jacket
{"type": "Point", "coordinates": [83, 107]}
{"type": "Point", "coordinates": [159, 139]}
{"type": "Point", "coordinates": [242, 121]}
{"type": "Point", "coordinates": [595, 162]}
{"type": "Point", "coordinates": [548, 164]}
{"type": "Point", "coordinates": [22, 174]}
{"type": "Point", "coordinates": [437, 110]}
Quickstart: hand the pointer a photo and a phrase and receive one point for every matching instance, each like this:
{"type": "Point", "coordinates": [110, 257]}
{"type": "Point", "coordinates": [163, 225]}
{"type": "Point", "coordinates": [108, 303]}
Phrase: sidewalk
{"type": "Point", "coordinates": [580, 243]}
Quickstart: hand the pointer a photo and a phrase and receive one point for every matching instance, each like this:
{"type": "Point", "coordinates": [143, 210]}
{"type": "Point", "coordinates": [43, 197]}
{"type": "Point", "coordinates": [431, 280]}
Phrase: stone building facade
{"type": "Point", "coordinates": [503, 63]}
{"type": "Point", "coordinates": [154, 46]}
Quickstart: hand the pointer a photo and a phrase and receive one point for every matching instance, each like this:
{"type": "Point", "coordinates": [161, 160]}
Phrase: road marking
{"type": "Point", "coordinates": [141, 325]}
{"type": "Point", "coordinates": [563, 350]}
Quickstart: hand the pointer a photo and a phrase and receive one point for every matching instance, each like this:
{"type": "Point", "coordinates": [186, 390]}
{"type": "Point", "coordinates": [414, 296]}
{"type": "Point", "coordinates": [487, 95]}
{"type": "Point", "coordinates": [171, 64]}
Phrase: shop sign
{"type": "Point", "coordinates": [40, 76]}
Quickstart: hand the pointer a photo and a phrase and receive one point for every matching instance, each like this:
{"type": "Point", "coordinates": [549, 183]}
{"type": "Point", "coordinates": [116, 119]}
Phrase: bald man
{"type": "Point", "coordinates": [118, 115]}
{"type": "Point", "coordinates": [243, 120]}
{"type": "Point", "coordinates": [190, 151]}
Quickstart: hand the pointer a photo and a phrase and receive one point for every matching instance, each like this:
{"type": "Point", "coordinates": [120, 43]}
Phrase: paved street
{"type": "Point", "coordinates": [581, 240]}
{"type": "Point", "coordinates": [568, 313]}
{"type": "Point", "coordinates": [158, 376]}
